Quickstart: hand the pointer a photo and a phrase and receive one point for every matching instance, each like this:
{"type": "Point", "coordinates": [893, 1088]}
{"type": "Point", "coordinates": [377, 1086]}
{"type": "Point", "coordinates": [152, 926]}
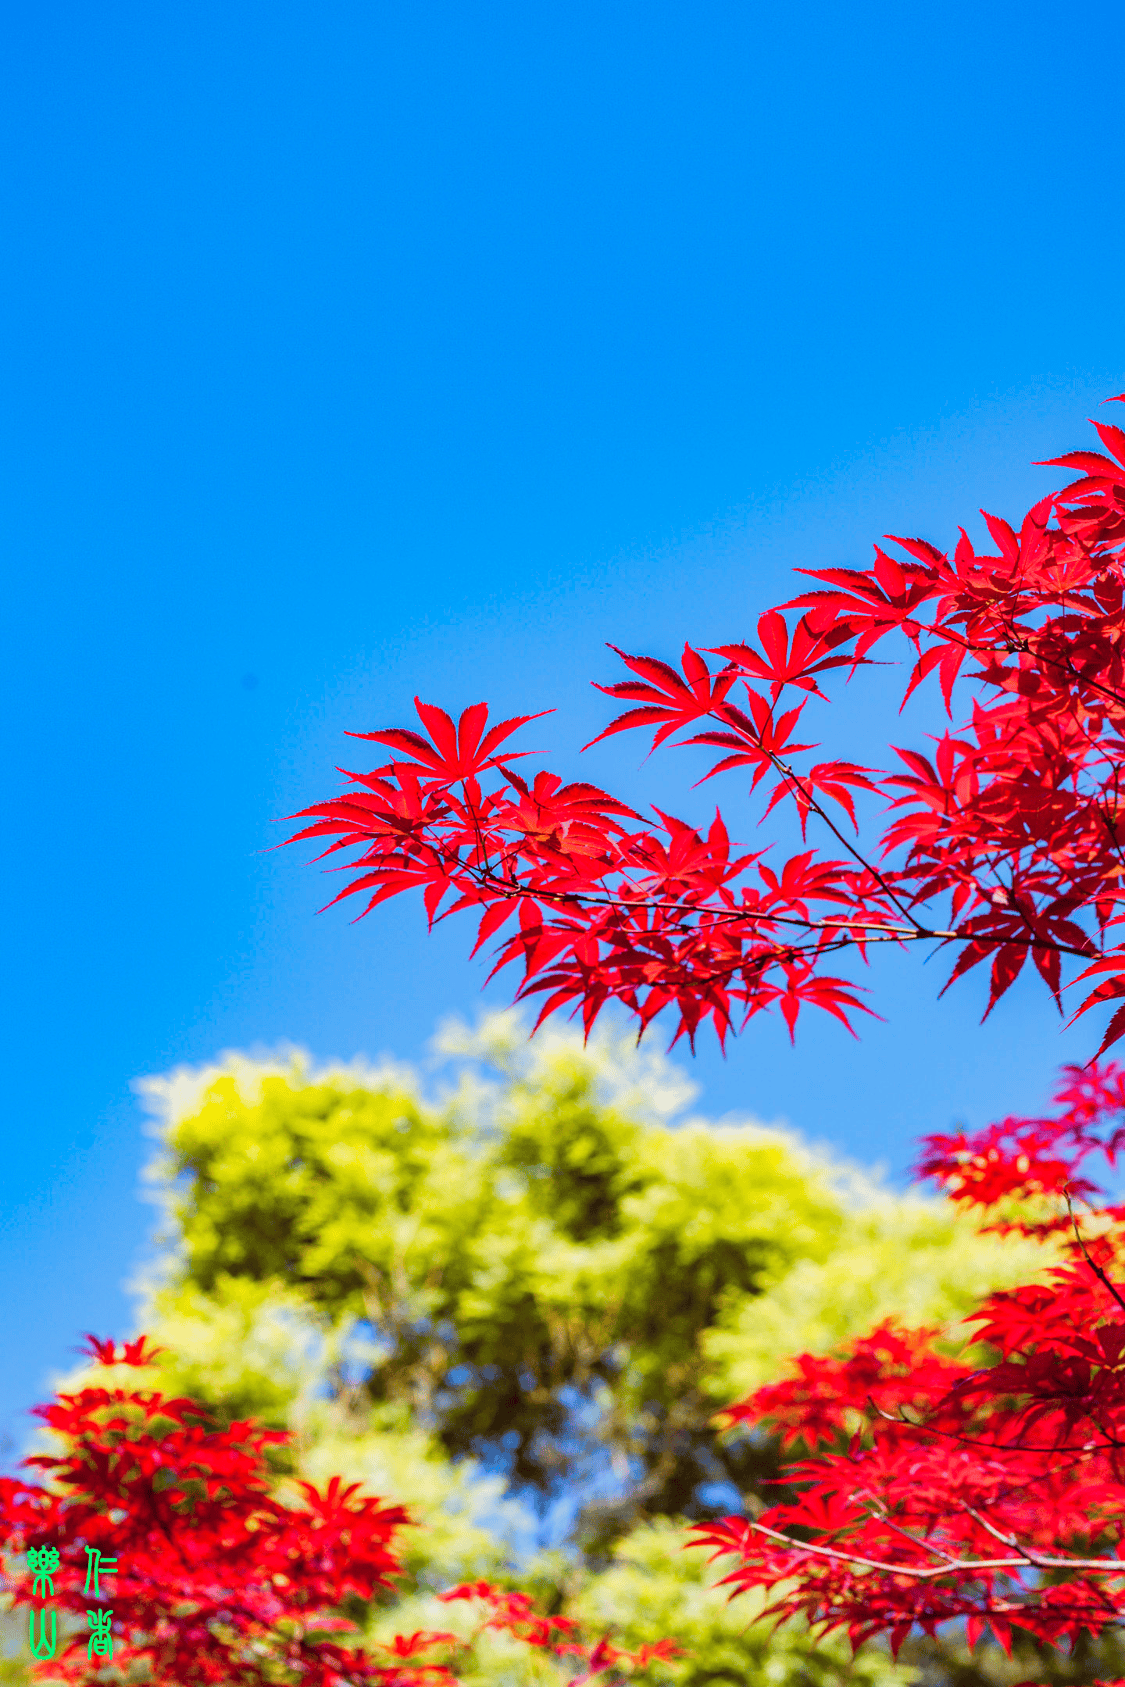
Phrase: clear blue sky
{"type": "Point", "coordinates": [357, 349]}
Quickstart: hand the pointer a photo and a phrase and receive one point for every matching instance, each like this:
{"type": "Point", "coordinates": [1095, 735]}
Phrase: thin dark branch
{"type": "Point", "coordinates": [1094, 1266]}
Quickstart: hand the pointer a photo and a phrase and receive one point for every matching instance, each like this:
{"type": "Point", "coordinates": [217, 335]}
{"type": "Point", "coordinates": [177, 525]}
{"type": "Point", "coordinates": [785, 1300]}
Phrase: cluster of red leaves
{"type": "Point", "coordinates": [1024, 1173]}
{"type": "Point", "coordinates": [1004, 843]}
{"type": "Point", "coordinates": [218, 1581]}
{"type": "Point", "coordinates": [934, 1488]}
{"type": "Point", "coordinates": [513, 1613]}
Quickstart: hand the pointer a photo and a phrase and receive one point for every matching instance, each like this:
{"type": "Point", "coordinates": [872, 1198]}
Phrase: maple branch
{"type": "Point", "coordinates": [512, 888]}
{"type": "Point", "coordinates": [1086, 1450]}
{"type": "Point", "coordinates": [1082, 679]}
{"type": "Point", "coordinates": [1094, 1267]}
{"type": "Point", "coordinates": [922, 1572]}
{"type": "Point", "coordinates": [1019, 643]}
{"type": "Point", "coordinates": [915, 932]}
{"type": "Point", "coordinates": [1026, 794]}
{"type": "Point", "coordinates": [888, 1522]}
{"type": "Point", "coordinates": [790, 773]}
{"type": "Point", "coordinates": [1015, 1545]}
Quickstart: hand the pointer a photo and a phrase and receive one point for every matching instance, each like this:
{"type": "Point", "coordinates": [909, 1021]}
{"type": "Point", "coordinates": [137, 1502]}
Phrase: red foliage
{"type": "Point", "coordinates": [1035, 1160]}
{"type": "Point", "coordinates": [514, 1614]}
{"type": "Point", "coordinates": [934, 1488]}
{"type": "Point", "coordinates": [824, 1397]}
{"type": "Point", "coordinates": [216, 1579]}
{"type": "Point", "coordinates": [1003, 844]}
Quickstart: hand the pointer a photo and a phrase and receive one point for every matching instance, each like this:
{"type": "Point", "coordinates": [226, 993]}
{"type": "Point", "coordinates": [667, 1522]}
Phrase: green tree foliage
{"type": "Point", "coordinates": [536, 1288]}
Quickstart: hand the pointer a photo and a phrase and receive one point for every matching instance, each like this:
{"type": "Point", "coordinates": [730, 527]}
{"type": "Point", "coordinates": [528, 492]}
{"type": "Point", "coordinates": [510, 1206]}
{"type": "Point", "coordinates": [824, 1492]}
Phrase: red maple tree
{"type": "Point", "coordinates": [218, 1580]}
{"type": "Point", "coordinates": [1004, 842]}
{"type": "Point", "coordinates": [989, 1488]}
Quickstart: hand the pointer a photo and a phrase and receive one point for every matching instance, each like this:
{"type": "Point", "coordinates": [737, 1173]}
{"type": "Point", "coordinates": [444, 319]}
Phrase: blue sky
{"type": "Point", "coordinates": [357, 350]}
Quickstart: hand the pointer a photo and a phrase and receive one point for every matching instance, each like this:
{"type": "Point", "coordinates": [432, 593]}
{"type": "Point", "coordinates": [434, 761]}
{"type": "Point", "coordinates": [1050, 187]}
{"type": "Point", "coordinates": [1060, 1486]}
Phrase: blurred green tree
{"type": "Point", "coordinates": [540, 1273]}
{"type": "Point", "coordinates": [517, 1307]}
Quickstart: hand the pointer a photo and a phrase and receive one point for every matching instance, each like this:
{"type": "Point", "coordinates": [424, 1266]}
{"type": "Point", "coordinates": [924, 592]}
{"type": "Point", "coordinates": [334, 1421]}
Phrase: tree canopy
{"type": "Point", "coordinates": [516, 1306]}
{"type": "Point", "coordinates": [545, 1282]}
